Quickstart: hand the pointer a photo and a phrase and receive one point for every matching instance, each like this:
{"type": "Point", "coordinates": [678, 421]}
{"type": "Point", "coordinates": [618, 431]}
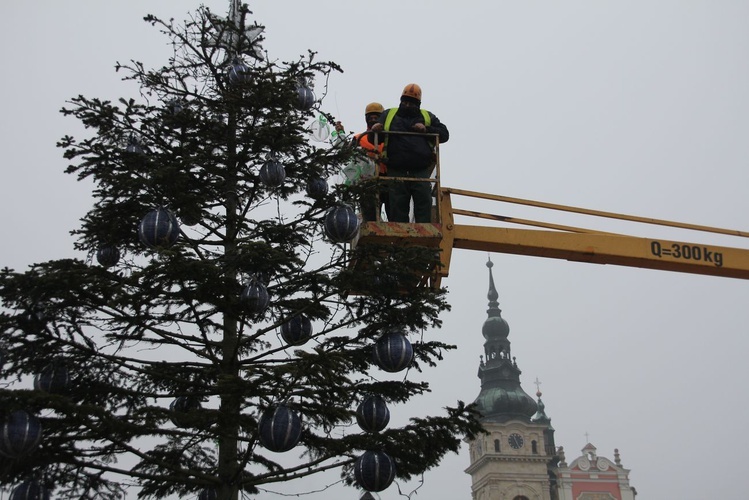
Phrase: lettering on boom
{"type": "Point", "coordinates": [687, 252]}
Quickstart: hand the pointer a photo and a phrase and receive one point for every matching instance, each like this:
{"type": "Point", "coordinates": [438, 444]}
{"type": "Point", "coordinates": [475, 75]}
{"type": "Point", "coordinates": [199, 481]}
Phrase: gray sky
{"type": "Point", "coordinates": [634, 107]}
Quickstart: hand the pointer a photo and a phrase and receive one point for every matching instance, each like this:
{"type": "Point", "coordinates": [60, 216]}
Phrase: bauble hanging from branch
{"type": "Point", "coordinates": [133, 146]}
{"type": "Point", "coordinates": [158, 229]}
{"type": "Point", "coordinates": [372, 415]}
{"type": "Point", "coordinates": [30, 490]}
{"type": "Point", "coordinates": [182, 408]}
{"type": "Point", "coordinates": [54, 379]}
{"type": "Point", "coordinates": [341, 224]}
{"type": "Point", "coordinates": [317, 188]}
{"type": "Point", "coordinates": [208, 494]}
{"type": "Point", "coordinates": [393, 352]}
{"type": "Point", "coordinates": [374, 470]}
{"type": "Point", "coordinates": [305, 96]}
{"type": "Point", "coordinates": [279, 428]}
{"type": "Point", "coordinates": [239, 73]}
{"type": "Point", "coordinates": [272, 173]}
{"type": "Point", "coordinates": [108, 256]}
{"type": "Point", "coordinates": [255, 297]}
{"type": "Point", "coordinates": [20, 434]}
{"type": "Point", "coordinates": [297, 330]}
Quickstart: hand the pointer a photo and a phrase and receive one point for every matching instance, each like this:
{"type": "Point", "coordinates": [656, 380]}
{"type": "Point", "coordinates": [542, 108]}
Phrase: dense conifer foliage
{"type": "Point", "coordinates": [211, 338]}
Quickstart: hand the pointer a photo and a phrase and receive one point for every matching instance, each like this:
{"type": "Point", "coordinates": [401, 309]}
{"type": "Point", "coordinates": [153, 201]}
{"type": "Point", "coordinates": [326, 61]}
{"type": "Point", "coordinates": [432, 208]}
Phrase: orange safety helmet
{"type": "Point", "coordinates": [412, 90]}
{"type": "Point", "coordinates": [373, 107]}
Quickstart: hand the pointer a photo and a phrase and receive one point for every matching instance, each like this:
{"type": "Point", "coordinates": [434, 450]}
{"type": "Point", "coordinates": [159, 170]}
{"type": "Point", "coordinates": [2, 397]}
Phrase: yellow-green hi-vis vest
{"type": "Point", "coordinates": [389, 120]}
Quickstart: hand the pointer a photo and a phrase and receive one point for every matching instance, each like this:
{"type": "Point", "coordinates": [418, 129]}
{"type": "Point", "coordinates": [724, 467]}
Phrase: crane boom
{"type": "Point", "coordinates": [629, 251]}
{"type": "Point", "coordinates": [581, 245]}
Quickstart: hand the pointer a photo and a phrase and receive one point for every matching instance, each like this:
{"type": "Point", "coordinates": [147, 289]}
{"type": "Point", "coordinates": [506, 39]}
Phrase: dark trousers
{"type": "Point", "coordinates": [401, 192]}
{"type": "Point", "coordinates": [370, 205]}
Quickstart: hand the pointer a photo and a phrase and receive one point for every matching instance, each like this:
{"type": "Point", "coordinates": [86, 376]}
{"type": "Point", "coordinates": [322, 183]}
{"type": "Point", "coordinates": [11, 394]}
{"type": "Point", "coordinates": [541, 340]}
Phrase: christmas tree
{"type": "Point", "coordinates": [217, 336]}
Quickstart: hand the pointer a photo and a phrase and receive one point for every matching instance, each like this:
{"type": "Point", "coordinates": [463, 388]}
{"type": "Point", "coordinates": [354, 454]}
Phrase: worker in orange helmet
{"type": "Point", "coordinates": [363, 140]}
{"type": "Point", "coordinates": [409, 155]}
{"type": "Point", "coordinates": [370, 206]}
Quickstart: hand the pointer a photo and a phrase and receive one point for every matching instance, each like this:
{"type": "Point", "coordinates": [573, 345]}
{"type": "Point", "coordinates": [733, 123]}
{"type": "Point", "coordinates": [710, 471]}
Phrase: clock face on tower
{"type": "Point", "coordinates": [516, 441]}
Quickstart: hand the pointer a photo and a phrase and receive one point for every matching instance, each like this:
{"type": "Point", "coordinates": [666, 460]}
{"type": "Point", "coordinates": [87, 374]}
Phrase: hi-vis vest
{"type": "Point", "coordinates": [389, 121]}
{"type": "Point", "coordinates": [362, 140]}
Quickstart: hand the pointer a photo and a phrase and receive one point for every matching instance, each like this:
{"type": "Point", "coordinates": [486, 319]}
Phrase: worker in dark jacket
{"type": "Point", "coordinates": [410, 155]}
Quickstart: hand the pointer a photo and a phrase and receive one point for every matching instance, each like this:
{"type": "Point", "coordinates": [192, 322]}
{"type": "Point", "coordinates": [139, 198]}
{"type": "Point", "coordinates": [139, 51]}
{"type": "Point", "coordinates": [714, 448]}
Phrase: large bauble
{"type": "Point", "coordinates": [239, 73]}
{"type": "Point", "coordinates": [108, 256]}
{"type": "Point", "coordinates": [317, 188]}
{"type": "Point", "coordinates": [374, 470]}
{"type": "Point", "coordinates": [393, 352]}
{"type": "Point", "coordinates": [272, 173]}
{"type": "Point", "coordinates": [182, 408]}
{"type": "Point", "coordinates": [255, 298]}
{"type": "Point", "coordinates": [305, 97]}
{"type": "Point", "coordinates": [54, 379]}
{"type": "Point", "coordinates": [341, 224]}
{"type": "Point", "coordinates": [279, 428]}
{"type": "Point", "coordinates": [30, 490]}
{"type": "Point", "coordinates": [158, 229]}
{"type": "Point", "coordinates": [208, 494]}
{"type": "Point", "coordinates": [372, 415]}
{"type": "Point", "coordinates": [21, 434]}
{"type": "Point", "coordinates": [190, 216]}
{"type": "Point", "coordinates": [297, 330]}
{"type": "Point", "coordinates": [133, 147]}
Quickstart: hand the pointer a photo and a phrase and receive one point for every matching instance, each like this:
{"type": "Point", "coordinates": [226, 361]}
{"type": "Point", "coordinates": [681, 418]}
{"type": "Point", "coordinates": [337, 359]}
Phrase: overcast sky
{"type": "Point", "coordinates": [638, 107]}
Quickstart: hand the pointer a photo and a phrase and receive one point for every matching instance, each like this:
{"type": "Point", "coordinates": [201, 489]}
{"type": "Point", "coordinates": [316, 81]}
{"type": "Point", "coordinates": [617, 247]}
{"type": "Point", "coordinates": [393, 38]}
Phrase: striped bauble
{"type": "Point", "coordinates": [305, 97]}
{"type": "Point", "coordinates": [341, 224]}
{"type": "Point", "coordinates": [372, 415]}
{"type": "Point", "coordinates": [374, 470]}
{"type": "Point", "coordinates": [208, 494]}
{"type": "Point", "coordinates": [108, 256]}
{"type": "Point", "coordinates": [272, 173]}
{"type": "Point", "coordinates": [239, 73]}
{"type": "Point", "coordinates": [54, 379]}
{"type": "Point", "coordinates": [158, 229]}
{"type": "Point", "coordinates": [255, 297]}
{"type": "Point", "coordinates": [279, 428]}
{"type": "Point", "coordinates": [393, 352]}
{"type": "Point", "coordinates": [20, 434]}
{"type": "Point", "coordinates": [30, 490]}
{"type": "Point", "coordinates": [297, 330]}
{"type": "Point", "coordinates": [317, 188]}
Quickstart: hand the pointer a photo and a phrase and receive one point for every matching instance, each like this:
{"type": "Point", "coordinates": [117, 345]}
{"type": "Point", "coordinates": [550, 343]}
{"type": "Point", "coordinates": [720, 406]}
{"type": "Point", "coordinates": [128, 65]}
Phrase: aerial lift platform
{"type": "Point", "coordinates": [551, 240]}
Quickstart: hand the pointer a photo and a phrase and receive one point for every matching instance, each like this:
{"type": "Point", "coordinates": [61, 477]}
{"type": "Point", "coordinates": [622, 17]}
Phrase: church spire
{"type": "Point", "coordinates": [501, 397]}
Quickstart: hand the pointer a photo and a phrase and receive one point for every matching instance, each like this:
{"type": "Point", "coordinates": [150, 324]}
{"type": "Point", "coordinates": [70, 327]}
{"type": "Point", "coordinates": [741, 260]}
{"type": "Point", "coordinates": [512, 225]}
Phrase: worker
{"type": "Point", "coordinates": [363, 140]}
{"type": "Point", "coordinates": [370, 204]}
{"type": "Point", "coordinates": [409, 155]}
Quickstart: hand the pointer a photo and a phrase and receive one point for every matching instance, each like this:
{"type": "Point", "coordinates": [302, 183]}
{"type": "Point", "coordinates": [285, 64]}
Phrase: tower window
{"type": "Point", "coordinates": [496, 445]}
{"type": "Point", "coordinates": [520, 497]}
{"type": "Point", "coordinates": [534, 447]}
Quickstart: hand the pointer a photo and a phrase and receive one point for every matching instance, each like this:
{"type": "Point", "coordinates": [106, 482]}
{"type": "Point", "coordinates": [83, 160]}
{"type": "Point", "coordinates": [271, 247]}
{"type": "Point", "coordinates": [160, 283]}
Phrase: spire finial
{"type": "Point", "coordinates": [538, 387]}
{"type": "Point", "coordinates": [492, 295]}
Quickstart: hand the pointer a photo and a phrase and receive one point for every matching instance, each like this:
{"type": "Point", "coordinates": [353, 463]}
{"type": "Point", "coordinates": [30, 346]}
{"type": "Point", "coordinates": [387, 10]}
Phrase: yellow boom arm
{"type": "Point", "coordinates": [575, 244]}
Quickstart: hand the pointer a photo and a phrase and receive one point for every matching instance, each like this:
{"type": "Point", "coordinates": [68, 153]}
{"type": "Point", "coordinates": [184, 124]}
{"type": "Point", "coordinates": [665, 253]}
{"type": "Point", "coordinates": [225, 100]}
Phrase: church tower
{"type": "Point", "coordinates": [516, 459]}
